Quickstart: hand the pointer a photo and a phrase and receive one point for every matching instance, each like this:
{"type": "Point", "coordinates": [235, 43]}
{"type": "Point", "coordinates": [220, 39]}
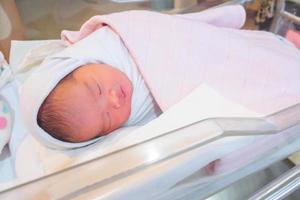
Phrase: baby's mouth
{"type": "Point", "coordinates": [119, 96]}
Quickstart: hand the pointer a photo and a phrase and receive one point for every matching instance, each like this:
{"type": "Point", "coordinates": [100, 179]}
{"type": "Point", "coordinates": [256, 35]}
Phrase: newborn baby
{"type": "Point", "coordinates": [95, 99]}
{"type": "Point", "coordinates": [92, 101]}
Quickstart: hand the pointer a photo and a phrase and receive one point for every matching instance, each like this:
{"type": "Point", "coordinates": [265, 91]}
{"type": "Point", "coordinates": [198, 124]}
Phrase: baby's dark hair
{"type": "Point", "coordinates": [53, 117]}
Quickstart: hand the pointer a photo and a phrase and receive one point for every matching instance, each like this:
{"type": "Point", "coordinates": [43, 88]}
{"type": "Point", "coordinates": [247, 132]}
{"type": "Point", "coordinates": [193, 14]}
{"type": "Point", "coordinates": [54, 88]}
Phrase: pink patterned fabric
{"type": "Point", "coordinates": [177, 53]}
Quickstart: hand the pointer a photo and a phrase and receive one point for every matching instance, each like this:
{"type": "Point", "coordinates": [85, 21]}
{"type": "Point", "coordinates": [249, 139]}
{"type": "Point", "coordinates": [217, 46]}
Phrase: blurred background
{"type": "Point", "coordinates": [45, 19]}
{"type": "Point", "coordinates": [36, 19]}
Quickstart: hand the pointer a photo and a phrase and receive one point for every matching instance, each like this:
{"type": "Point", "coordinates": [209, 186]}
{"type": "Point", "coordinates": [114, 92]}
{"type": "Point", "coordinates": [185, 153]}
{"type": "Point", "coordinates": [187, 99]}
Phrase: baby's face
{"type": "Point", "coordinates": [98, 99]}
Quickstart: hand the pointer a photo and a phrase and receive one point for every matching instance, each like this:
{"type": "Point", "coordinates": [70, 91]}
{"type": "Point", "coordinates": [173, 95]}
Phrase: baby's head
{"type": "Point", "coordinates": [91, 101]}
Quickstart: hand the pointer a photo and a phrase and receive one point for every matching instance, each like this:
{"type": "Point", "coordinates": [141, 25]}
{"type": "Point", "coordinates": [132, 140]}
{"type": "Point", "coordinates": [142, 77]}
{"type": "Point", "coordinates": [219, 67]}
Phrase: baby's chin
{"type": "Point", "coordinates": [123, 116]}
{"type": "Point", "coordinates": [128, 91]}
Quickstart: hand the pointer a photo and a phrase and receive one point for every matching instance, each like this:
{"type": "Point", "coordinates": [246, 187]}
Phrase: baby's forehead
{"type": "Point", "coordinates": [66, 79]}
{"type": "Point", "coordinates": [72, 82]}
{"type": "Point", "coordinates": [81, 73]}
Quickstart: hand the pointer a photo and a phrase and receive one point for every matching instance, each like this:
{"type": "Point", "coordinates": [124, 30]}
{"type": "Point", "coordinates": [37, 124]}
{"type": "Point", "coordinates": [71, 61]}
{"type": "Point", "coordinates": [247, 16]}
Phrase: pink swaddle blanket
{"type": "Point", "coordinates": [177, 53]}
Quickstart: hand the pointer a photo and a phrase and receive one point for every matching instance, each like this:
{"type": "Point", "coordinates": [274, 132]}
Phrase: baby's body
{"type": "Point", "coordinates": [104, 93]}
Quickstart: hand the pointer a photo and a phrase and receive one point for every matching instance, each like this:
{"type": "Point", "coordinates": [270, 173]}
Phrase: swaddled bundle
{"type": "Point", "coordinates": [109, 50]}
{"type": "Point", "coordinates": [176, 54]}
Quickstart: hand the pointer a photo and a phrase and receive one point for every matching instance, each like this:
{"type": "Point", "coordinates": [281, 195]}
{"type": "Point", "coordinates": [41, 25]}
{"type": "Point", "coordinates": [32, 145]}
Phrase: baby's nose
{"type": "Point", "coordinates": [116, 97]}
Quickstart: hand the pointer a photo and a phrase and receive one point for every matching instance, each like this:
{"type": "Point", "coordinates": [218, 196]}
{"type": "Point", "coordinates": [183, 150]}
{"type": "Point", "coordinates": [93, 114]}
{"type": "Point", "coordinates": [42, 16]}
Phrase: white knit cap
{"type": "Point", "coordinates": [34, 91]}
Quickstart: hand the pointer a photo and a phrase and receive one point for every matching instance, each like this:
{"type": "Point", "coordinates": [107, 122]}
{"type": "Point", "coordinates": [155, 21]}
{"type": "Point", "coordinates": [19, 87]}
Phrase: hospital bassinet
{"type": "Point", "coordinates": [176, 164]}
{"type": "Point", "coordinates": [170, 166]}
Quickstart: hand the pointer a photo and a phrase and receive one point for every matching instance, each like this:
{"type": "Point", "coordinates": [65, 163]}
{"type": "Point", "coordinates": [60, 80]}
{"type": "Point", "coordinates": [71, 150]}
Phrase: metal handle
{"type": "Point", "coordinates": [280, 187]}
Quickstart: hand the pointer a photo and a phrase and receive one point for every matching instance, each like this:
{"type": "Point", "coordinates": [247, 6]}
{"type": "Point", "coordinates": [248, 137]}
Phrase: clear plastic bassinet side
{"type": "Point", "coordinates": [103, 173]}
